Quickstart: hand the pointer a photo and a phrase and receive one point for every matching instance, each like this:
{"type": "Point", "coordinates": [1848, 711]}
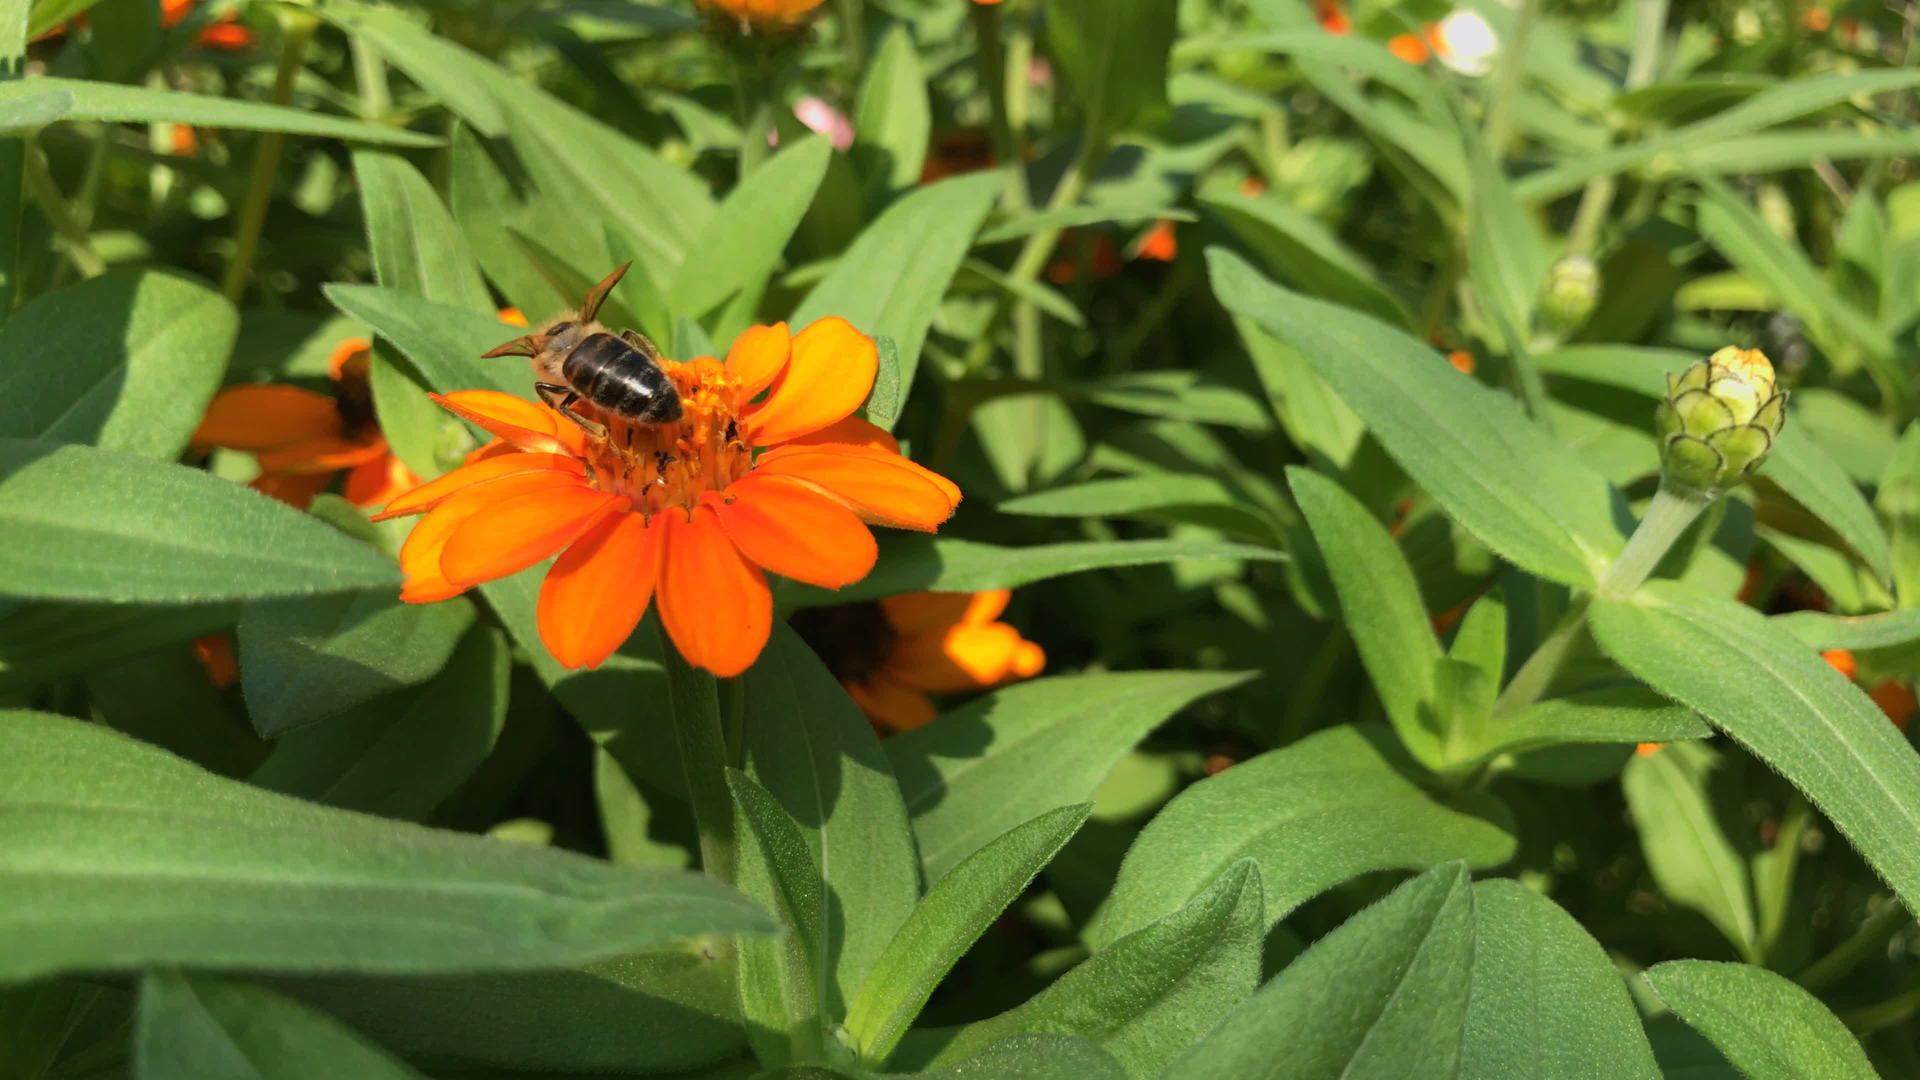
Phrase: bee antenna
{"type": "Point", "coordinates": [591, 307]}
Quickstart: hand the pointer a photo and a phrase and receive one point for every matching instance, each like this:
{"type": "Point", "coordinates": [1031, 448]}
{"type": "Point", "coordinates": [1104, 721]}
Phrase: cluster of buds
{"type": "Point", "coordinates": [1719, 420]}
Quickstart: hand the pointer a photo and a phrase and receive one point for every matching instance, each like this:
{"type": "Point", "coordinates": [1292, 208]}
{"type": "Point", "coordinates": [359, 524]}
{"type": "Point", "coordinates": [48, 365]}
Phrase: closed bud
{"type": "Point", "coordinates": [1719, 420]}
{"type": "Point", "coordinates": [1571, 293]}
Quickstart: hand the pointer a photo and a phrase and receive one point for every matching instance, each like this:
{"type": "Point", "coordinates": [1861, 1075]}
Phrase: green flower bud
{"type": "Point", "coordinates": [1719, 420]}
{"type": "Point", "coordinates": [1571, 293]}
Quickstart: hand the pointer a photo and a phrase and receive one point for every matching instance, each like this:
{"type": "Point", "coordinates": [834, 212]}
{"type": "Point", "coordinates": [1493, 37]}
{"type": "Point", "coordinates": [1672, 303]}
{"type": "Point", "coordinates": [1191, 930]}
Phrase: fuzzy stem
{"type": "Point", "coordinates": [297, 28]}
{"type": "Point", "coordinates": [703, 760]}
{"type": "Point", "coordinates": [1596, 201]}
{"type": "Point", "coordinates": [1871, 937]}
{"type": "Point", "coordinates": [73, 236]}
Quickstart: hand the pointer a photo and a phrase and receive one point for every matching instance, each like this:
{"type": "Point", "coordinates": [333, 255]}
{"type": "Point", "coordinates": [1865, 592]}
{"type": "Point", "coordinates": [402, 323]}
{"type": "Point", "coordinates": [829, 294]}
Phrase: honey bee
{"type": "Point", "coordinates": [577, 359]}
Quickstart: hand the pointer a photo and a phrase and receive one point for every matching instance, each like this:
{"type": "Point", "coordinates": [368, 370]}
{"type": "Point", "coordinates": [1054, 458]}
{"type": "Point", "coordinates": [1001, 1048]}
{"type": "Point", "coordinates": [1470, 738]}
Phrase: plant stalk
{"type": "Point", "coordinates": [1871, 937]}
{"type": "Point", "coordinates": [73, 236]}
{"type": "Point", "coordinates": [1596, 201]}
{"type": "Point", "coordinates": [297, 29]}
{"type": "Point", "coordinates": [703, 760]}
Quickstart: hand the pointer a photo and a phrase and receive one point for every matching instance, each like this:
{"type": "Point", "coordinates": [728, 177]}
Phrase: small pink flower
{"type": "Point", "coordinates": [825, 119]}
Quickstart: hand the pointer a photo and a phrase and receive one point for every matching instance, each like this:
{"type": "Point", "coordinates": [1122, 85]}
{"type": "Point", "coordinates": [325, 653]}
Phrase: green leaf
{"type": "Point", "coordinates": [1032, 1056]}
{"type": "Point", "coordinates": [982, 769]}
{"type": "Point", "coordinates": [741, 243]}
{"type": "Point", "coordinates": [1679, 821]}
{"type": "Point", "coordinates": [1767, 1027]}
{"type": "Point", "coordinates": [911, 563]}
{"type": "Point", "coordinates": [122, 856]}
{"type": "Point", "coordinates": [1819, 630]}
{"type": "Point", "coordinates": [307, 659]}
{"type": "Point", "coordinates": [86, 524]}
{"type": "Point", "coordinates": [1787, 706]}
{"type": "Point", "coordinates": [1156, 496]}
{"type": "Point", "coordinates": [39, 110]}
{"type": "Point", "coordinates": [1177, 395]}
{"type": "Point", "coordinates": [126, 361]}
{"type": "Point", "coordinates": [1618, 713]}
{"type": "Point", "coordinates": [814, 752]}
{"type": "Point", "coordinates": [139, 104]}
{"type": "Point", "coordinates": [1470, 447]}
{"type": "Point", "coordinates": [401, 755]}
{"type": "Point", "coordinates": [441, 67]}
{"type": "Point", "coordinates": [891, 117]}
{"type": "Point", "coordinates": [1744, 238]}
{"type": "Point", "coordinates": [1336, 804]}
{"type": "Point", "coordinates": [954, 913]}
{"type": "Point", "coordinates": [1067, 217]}
{"type": "Point", "coordinates": [416, 247]}
{"type": "Point", "coordinates": [890, 280]}
{"type": "Point", "coordinates": [1546, 1000]}
{"type": "Point", "coordinates": [782, 980]}
{"type": "Point", "coordinates": [1381, 605]}
{"type": "Point", "coordinates": [1385, 994]}
{"type": "Point", "coordinates": [1150, 994]}
{"type": "Point", "coordinates": [1506, 260]}
{"type": "Point", "coordinates": [1114, 59]}
{"type": "Point", "coordinates": [658, 1011]}
{"type": "Point", "coordinates": [1302, 251]}
{"type": "Point", "coordinates": [1816, 481]}
{"type": "Point", "coordinates": [201, 1028]}
{"type": "Point", "coordinates": [44, 641]}
{"type": "Point", "coordinates": [442, 343]}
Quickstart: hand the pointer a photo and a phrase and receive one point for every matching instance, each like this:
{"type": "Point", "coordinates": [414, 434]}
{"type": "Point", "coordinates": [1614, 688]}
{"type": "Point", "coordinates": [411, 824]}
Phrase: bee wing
{"type": "Point", "coordinates": [591, 306]}
{"type": "Point", "coordinates": [641, 342]}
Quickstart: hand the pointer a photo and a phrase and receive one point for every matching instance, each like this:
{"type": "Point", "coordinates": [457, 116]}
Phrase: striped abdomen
{"type": "Point", "coordinates": [620, 379]}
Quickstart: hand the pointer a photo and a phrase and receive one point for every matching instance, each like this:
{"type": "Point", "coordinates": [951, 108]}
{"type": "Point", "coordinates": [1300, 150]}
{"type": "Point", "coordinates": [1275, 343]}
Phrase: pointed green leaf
{"type": "Point", "coordinates": [891, 118]}
{"type": "Point", "coordinates": [954, 913]}
{"type": "Point", "coordinates": [1679, 822]}
{"type": "Point", "coordinates": [1502, 476]}
{"type": "Point", "coordinates": [201, 1028]}
{"type": "Point", "coordinates": [140, 104]}
{"type": "Point", "coordinates": [1787, 706]}
{"type": "Point", "coordinates": [1336, 804]}
{"type": "Point", "coordinates": [1044, 740]}
{"type": "Point", "coordinates": [86, 524]}
{"type": "Point", "coordinates": [1547, 1002]}
{"type": "Point", "coordinates": [740, 245]}
{"type": "Point", "coordinates": [122, 856]}
{"type": "Point", "coordinates": [1767, 1027]}
{"type": "Point", "coordinates": [1386, 994]}
{"type": "Point", "coordinates": [1114, 59]}
{"type": "Point", "coordinates": [126, 361]}
{"type": "Point", "coordinates": [1618, 713]}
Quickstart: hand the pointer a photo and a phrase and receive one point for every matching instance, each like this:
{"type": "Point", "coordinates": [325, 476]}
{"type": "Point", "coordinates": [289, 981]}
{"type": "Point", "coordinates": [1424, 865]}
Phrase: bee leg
{"type": "Point", "coordinates": [560, 399]}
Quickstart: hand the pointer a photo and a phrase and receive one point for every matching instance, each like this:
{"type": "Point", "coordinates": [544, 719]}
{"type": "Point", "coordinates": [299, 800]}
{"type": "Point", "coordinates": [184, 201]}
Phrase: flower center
{"type": "Point", "coordinates": [657, 466]}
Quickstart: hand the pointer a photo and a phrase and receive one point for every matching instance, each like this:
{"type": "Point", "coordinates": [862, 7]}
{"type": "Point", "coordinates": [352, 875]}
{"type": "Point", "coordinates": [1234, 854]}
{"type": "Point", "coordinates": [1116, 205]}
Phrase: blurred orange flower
{"type": "Point", "coordinates": [1332, 17]}
{"type": "Point", "coordinates": [1896, 698]}
{"type": "Point", "coordinates": [761, 15]}
{"type": "Point", "coordinates": [1159, 244]}
{"type": "Point", "coordinates": [892, 654]}
{"type": "Point", "coordinates": [692, 513]}
{"type": "Point", "coordinates": [303, 438]}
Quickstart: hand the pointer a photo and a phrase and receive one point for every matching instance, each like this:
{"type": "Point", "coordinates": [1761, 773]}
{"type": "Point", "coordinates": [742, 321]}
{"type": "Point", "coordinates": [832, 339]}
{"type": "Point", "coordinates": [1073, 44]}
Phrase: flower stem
{"type": "Point", "coordinates": [703, 760]}
{"type": "Point", "coordinates": [1513, 62]}
{"type": "Point", "coordinates": [297, 28]}
{"type": "Point", "coordinates": [1871, 937]}
{"type": "Point", "coordinates": [73, 236]}
{"type": "Point", "coordinates": [1667, 517]}
{"type": "Point", "coordinates": [991, 54]}
{"type": "Point", "coordinates": [1649, 32]}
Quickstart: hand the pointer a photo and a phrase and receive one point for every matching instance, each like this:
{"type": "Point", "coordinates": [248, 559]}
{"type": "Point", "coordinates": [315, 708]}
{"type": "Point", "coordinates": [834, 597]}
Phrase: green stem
{"type": "Point", "coordinates": [1871, 937]}
{"type": "Point", "coordinates": [73, 237]}
{"type": "Point", "coordinates": [1667, 517]}
{"type": "Point", "coordinates": [1894, 1011]}
{"type": "Point", "coordinates": [370, 75]}
{"type": "Point", "coordinates": [297, 28]}
{"type": "Point", "coordinates": [703, 760]}
{"type": "Point", "coordinates": [1649, 33]}
{"type": "Point", "coordinates": [991, 53]}
{"type": "Point", "coordinates": [853, 25]}
{"type": "Point", "coordinates": [1513, 62]}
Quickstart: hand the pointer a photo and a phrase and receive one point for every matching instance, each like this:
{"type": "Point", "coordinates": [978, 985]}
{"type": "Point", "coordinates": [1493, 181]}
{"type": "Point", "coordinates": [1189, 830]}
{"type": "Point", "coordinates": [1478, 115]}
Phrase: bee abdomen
{"type": "Point", "coordinates": [620, 379]}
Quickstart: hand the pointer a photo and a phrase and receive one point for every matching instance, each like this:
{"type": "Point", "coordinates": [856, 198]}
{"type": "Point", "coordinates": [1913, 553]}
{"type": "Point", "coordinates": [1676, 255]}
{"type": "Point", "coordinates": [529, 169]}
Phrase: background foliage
{"type": "Point", "coordinates": [1299, 376]}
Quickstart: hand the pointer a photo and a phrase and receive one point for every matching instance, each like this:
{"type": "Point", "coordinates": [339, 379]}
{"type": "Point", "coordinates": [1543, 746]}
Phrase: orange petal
{"type": "Point", "coordinates": [379, 481]}
{"type": "Point", "coordinates": [852, 430]}
{"type": "Point", "coordinates": [520, 422]}
{"type": "Point", "coordinates": [1409, 48]}
{"type": "Point", "coordinates": [795, 531]}
{"type": "Point", "coordinates": [263, 415]}
{"type": "Point", "coordinates": [964, 658]}
{"type": "Point", "coordinates": [883, 488]}
{"type": "Point", "coordinates": [714, 603]}
{"type": "Point", "coordinates": [829, 374]}
{"type": "Point", "coordinates": [513, 534]}
{"type": "Point", "coordinates": [925, 612]}
{"type": "Point", "coordinates": [986, 606]}
{"type": "Point", "coordinates": [1029, 660]}
{"type": "Point", "coordinates": [322, 455]}
{"type": "Point", "coordinates": [351, 351]}
{"type": "Point", "coordinates": [226, 35]}
{"type": "Point", "coordinates": [430, 494]}
{"type": "Point", "coordinates": [513, 316]}
{"type": "Point", "coordinates": [598, 589]}
{"type": "Point", "coordinates": [758, 356]}
{"type": "Point", "coordinates": [892, 706]}
{"type": "Point", "coordinates": [295, 489]}
{"type": "Point", "coordinates": [420, 554]}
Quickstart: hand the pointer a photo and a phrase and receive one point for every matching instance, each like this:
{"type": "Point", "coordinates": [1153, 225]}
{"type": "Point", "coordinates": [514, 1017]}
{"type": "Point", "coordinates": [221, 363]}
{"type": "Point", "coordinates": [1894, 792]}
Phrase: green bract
{"type": "Point", "coordinates": [1719, 420]}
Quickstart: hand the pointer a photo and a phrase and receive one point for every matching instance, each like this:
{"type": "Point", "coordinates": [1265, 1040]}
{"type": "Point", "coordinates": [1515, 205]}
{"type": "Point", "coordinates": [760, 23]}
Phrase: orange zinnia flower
{"type": "Point", "coordinates": [762, 15]}
{"type": "Point", "coordinates": [1332, 17]}
{"type": "Point", "coordinates": [1895, 698]}
{"type": "Point", "coordinates": [691, 513]}
{"type": "Point", "coordinates": [1160, 244]}
{"type": "Point", "coordinates": [890, 655]}
{"type": "Point", "coordinates": [302, 438]}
